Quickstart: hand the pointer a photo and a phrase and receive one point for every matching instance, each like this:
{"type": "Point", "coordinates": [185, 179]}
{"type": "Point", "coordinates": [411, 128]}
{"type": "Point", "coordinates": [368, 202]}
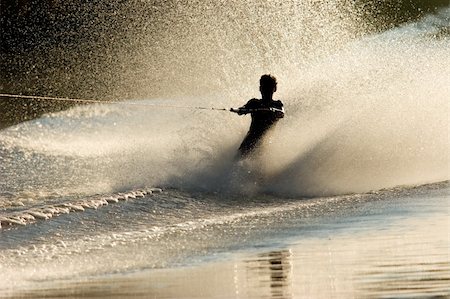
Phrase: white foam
{"type": "Point", "coordinates": [48, 211]}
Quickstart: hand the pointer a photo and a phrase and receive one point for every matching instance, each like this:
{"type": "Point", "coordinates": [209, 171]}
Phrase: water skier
{"type": "Point", "coordinates": [265, 114]}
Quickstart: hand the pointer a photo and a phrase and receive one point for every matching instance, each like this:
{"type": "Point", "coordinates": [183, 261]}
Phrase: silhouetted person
{"type": "Point", "coordinates": [265, 113]}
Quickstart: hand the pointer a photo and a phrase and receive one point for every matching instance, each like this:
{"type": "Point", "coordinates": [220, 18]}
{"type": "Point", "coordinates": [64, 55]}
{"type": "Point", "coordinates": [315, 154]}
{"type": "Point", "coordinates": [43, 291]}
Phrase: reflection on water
{"type": "Point", "coordinates": [407, 259]}
{"type": "Point", "coordinates": [271, 271]}
{"type": "Point", "coordinates": [373, 257]}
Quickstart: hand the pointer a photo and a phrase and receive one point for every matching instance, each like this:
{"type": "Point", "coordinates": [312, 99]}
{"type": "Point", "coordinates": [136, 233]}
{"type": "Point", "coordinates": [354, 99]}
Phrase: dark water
{"type": "Point", "coordinates": [141, 49]}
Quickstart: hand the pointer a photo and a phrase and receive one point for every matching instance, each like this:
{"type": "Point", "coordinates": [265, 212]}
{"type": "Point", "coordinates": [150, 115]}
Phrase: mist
{"type": "Point", "coordinates": [363, 111]}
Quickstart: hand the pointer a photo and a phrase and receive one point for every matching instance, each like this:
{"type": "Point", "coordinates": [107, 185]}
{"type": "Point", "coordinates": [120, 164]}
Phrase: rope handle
{"type": "Point", "coordinates": [245, 111]}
